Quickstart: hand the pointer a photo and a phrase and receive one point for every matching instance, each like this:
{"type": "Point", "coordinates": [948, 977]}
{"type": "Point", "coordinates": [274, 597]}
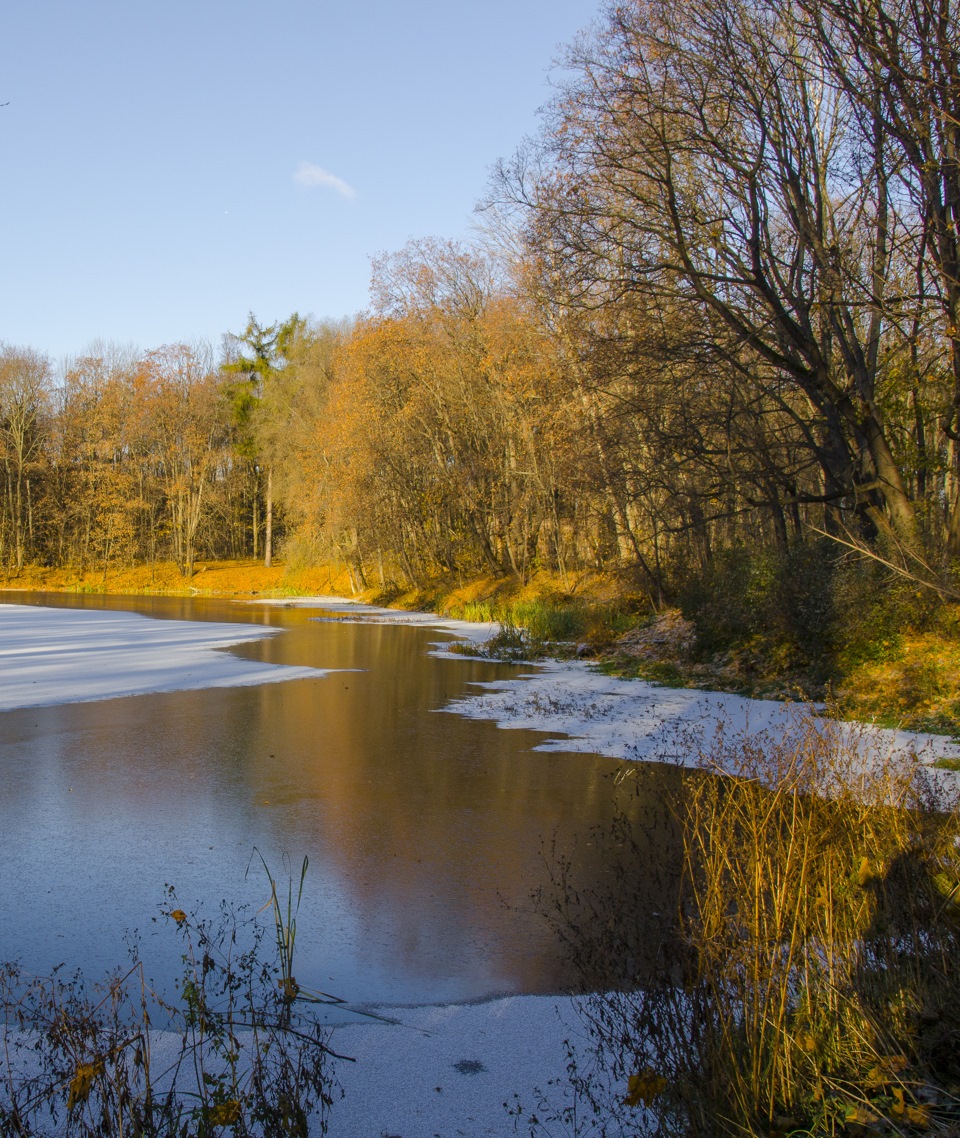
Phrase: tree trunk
{"type": "Point", "coordinates": [268, 529]}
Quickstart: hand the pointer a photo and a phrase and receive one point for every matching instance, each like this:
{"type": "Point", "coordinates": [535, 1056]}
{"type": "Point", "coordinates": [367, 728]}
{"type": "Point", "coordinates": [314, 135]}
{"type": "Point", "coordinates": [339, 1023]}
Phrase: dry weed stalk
{"type": "Point", "coordinates": [231, 1055]}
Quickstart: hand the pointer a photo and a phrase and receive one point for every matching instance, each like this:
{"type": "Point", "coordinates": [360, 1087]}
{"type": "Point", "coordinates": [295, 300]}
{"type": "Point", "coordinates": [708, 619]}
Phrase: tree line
{"type": "Point", "coordinates": [716, 303]}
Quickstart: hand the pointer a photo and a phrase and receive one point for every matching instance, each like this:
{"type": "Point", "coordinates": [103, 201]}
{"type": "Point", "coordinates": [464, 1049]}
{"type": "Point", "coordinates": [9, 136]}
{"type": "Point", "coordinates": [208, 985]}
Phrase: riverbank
{"type": "Point", "coordinates": [891, 672]}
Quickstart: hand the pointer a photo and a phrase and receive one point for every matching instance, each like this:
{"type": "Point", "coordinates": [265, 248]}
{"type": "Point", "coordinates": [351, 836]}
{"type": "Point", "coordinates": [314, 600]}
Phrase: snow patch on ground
{"type": "Point", "coordinates": [344, 610]}
{"type": "Point", "coordinates": [587, 711]}
{"type": "Point", "coordinates": [448, 1070]}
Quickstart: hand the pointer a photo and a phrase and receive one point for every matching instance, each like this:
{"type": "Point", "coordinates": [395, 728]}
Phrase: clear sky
{"type": "Point", "coordinates": [168, 167]}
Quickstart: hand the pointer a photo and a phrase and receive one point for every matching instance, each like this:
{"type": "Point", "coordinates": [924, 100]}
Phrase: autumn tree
{"type": "Point", "coordinates": [25, 389]}
{"type": "Point", "coordinates": [701, 165]}
{"type": "Point", "coordinates": [187, 430]}
{"type": "Point", "coordinates": [443, 435]}
{"type": "Point", "coordinates": [106, 503]}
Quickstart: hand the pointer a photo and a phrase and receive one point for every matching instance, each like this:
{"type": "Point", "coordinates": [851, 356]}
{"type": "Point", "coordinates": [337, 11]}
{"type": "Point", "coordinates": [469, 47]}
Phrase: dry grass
{"type": "Point", "coordinates": [234, 1053]}
{"type": "Point", "coordinates": [916, 684]}
{"type": "Point", "coordinates": [811, 983]}
{"type": "Point", "coordinates": [210, 579]}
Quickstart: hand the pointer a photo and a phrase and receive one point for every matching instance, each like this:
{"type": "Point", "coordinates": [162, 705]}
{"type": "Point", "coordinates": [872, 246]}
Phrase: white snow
{"type": "Point", "coordinates": [587, 711]}
{"type": "Point", "coordinates": [52, 655]}
{"type": "Point", "coordinates": [444, 1070]}
{"type": "Point", "coordinates": [448, 1070]}
{"type": "Point", "coordinates": [345, 610]}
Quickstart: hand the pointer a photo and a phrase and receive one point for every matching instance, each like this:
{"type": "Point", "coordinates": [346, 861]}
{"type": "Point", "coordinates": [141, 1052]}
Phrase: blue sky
{"type": "Point", "coordinates": [169, 167]}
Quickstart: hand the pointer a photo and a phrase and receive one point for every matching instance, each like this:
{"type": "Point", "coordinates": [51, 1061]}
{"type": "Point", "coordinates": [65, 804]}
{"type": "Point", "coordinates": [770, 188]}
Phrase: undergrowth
{"type": "Point", "coordinates": [237, 1052]}
{"type": "Point", "coordinates": [808, 982]}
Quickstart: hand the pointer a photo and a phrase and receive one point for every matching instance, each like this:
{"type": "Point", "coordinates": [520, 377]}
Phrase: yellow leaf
{"type": "Point", "coordinates": [178, 915]}
{"type": "Point", "coordinates": [82, 1082]}
{"type": "Point", "coordinates": [865, 874]}
{"type": "Point", "coordinates": [860, 1115]}
{"type": "Point", "coordinates": [917, 1115]}
{"type": "Point", "coordinates": [223, 1113]}
{"type": "Point", "coordinates": [885, 1072]}
{"type": "Point", "coordinates": [644, 1087]}
{"type": "Point", "coordinates": [875, 1078]}
{"type": "Point", "coordinates": [898, 1107]}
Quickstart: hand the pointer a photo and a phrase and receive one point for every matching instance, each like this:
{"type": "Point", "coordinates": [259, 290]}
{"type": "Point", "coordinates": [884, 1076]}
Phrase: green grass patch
{"type": "Point", "coordinates": [947, 764]}
{"type": "Point", "coordinates": [551, 625]}
{"type": "Point", "coordinates": [653, 671]}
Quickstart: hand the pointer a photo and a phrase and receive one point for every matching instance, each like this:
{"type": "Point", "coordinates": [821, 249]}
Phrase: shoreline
{"type": "Point", "coordinates": [584, 709]}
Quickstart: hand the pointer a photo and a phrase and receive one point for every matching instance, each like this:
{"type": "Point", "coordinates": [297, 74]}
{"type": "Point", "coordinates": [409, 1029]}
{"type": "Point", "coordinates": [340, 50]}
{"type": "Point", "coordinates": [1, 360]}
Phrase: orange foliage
{"type": "Point", "coordinates": [210, 579]}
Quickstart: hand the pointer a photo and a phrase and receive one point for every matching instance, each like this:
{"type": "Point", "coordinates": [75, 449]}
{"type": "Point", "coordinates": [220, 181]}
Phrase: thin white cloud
{"type": "Point", "coordinates": [307, 174]}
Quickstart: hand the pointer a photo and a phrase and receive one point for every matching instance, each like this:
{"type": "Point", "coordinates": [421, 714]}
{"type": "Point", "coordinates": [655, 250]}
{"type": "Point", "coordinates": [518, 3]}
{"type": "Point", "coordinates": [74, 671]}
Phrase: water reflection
{"type": "Point", "coordinates": [424, 830]}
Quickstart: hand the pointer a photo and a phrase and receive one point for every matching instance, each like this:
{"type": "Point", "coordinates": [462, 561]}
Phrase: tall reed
{"type": "Point", "coordinates": [811, 982]}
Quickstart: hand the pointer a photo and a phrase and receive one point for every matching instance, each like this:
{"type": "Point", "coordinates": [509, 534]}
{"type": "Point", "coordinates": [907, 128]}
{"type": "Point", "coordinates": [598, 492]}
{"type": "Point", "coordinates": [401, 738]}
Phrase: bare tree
{"type": "Point", "coordinates": [702, 161]}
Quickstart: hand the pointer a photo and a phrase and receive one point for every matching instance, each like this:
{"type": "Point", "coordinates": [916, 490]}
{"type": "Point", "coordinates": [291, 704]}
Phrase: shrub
{"type": "Point", "coordinates": [811, 610]}
{"type": "Point", "coordinates": [235, 1055]}
{"type": "Point", "coordinates": [809, 982]}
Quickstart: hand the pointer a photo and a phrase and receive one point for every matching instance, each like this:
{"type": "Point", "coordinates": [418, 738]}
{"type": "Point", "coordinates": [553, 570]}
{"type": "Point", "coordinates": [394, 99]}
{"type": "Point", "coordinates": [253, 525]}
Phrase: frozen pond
{"type": "Point", "coordinates": [424, 831]}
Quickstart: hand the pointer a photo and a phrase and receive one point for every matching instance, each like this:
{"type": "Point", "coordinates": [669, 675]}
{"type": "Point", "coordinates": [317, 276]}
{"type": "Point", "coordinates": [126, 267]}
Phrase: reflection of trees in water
{"type": "Point", "coordinates": [433, 824]}
{"type": "Point", "coordinates": [437, 822]}
{"type": "Point", "coordinates": [611, 897]}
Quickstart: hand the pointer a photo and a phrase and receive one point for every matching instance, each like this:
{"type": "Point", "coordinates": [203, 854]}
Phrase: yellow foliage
{"type": "Point", "coordinates": [866, 872]}
{"type": "Point", "coordinates": [947, 887]}
{"type": "Point", "coordinates": [223, 1113]}
{"type": "Point", "coordinates": [915, 686]}
{"type": "Point", "coordinates": [860, 1115]}
{"type": "Point", "coordinates": [643, 1087]}
{"type": "Point", "coordinates": [885, 1072]}
{"type": "Point", "coordinates": [82, 1082]}
{"type": "Point", "coordinates": [210, 579]}
{"type": "Point", "coordinates": [917, 1115]}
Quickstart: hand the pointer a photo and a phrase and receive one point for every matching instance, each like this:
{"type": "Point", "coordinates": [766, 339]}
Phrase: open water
{"type": "Point", "coordinates": [427, 834]}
